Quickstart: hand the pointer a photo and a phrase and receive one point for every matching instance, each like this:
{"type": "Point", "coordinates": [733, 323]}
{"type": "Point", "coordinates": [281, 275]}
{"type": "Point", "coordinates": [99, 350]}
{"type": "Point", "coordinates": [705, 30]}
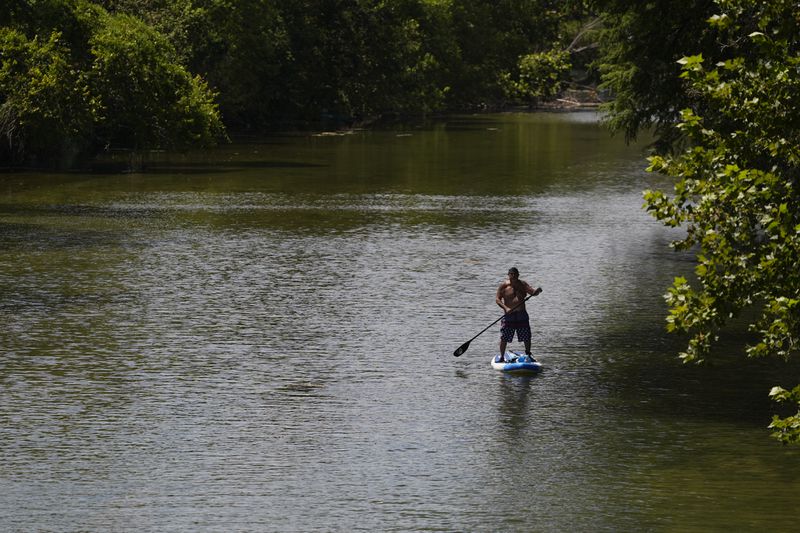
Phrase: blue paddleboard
{"type": "Point", "coordinates": [517, 363]}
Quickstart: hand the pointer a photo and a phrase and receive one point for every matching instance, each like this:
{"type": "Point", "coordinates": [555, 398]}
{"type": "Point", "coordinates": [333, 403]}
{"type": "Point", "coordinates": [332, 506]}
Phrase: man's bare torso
{"type": "Point", "coordinates": [513, 294]}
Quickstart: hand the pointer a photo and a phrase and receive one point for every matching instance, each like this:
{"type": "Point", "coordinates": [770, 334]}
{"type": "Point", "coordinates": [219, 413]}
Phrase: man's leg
{"type": "Point", "coordinates": [526, 336]}
{"type": "Point", "coordinates": [504, 337]}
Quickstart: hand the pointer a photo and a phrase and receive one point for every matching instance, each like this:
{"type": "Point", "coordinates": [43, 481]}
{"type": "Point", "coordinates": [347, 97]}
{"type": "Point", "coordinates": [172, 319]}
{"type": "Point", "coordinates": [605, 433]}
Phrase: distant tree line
{"type": "Point", "coordinates": [80, 76]}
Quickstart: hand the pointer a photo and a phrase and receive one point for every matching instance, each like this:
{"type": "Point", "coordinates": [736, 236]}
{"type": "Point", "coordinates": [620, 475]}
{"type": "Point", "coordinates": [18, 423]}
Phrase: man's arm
{"type": "Point", "coordinates": [499, 300]}
{"type": "Point", "coordinates": [530, 290]}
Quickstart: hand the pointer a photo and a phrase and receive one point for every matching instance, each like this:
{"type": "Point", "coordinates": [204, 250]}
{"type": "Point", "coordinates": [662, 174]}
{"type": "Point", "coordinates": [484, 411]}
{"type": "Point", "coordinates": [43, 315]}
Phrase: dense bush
{"type": "Point", "coordinates": [80, 76]}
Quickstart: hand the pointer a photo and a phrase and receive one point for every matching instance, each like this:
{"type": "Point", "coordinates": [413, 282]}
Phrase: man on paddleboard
{"type": "Point", "coordinates": [511, 296]}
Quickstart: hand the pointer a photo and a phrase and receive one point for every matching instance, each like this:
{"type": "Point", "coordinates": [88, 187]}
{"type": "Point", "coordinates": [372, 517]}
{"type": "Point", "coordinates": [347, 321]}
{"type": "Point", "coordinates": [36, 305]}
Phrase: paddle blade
{"type": "Point", "coordinates": [462, 349]}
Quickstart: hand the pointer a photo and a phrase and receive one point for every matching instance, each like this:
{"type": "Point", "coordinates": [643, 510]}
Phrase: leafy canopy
{"type": "Point", "coordinates": [736, 189]}
{"type": "Point", "coordinates": [44, 103]}
{"type": "Point", "coordinates": [75, 78]}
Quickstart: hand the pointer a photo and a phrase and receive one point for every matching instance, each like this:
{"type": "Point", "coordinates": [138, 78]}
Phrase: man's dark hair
{"type": "Point", "coordinates": [513, 270]}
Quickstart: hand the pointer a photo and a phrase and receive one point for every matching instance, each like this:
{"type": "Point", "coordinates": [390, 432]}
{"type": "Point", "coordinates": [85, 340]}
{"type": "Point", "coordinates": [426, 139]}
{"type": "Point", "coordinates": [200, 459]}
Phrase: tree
{"type": "Point", "coordinates": [641, 44]}
{"type": "Point", "coordinates": [75, 79]}
{"type": "Point", "coordinates": [239, 49]}
{"type": "Point", "coordinates": [492, 36]}
{"type": "Point", "coordinates": [272, 61]}
{"type": "Point", "coordinates": [146, 98]}
{"type": "Point", "coordinates": [736, 184]}
{"type": "Point", "coordinates": [45, 107]}
{"type": "Point", "coordinates": [541, 75]}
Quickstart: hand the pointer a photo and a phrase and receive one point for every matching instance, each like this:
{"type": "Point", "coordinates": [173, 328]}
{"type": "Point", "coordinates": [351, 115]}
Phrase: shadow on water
{"type": "Point", "coordinates": [79, 211]}
{"type": "Point", "coordinates": [641, 367]}
{"type": "Point", "coordinates": [728, 386]}
{"type": "Point", "coordinates": [29, 238]}
{"type": "Point", "coordinates": [208, 167]}
{"type": "Point", "coordinates": [514, 407]}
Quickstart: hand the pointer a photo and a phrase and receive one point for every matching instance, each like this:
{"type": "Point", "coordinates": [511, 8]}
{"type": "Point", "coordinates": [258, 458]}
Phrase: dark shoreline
{"type": "Point", "coordinates": [124, 160]}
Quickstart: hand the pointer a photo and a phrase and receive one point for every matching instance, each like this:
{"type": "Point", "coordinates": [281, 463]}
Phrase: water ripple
{"type": "Point", "coordinates": [263, 360]}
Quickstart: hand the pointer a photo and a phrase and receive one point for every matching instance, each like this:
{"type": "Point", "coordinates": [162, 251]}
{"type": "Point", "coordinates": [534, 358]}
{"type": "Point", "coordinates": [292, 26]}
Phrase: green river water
{"type": "Point", "coordinates": [260, 338]}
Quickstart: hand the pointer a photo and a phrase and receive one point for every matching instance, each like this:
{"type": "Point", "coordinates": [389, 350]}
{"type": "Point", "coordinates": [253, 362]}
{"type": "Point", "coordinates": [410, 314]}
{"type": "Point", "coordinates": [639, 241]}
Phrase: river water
{"type": "Point", "coordinates": [260, 339]}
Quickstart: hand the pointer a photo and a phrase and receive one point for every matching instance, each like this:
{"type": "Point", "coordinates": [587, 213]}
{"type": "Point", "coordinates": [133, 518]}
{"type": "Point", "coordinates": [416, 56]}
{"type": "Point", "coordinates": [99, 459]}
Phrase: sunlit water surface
{"type": "Point", "coordinates": [261, 339]}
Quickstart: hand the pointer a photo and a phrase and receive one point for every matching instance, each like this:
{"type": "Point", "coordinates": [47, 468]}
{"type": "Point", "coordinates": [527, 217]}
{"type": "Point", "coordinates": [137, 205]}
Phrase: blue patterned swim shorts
{"type": "Point", "coordinates": [515, 321]}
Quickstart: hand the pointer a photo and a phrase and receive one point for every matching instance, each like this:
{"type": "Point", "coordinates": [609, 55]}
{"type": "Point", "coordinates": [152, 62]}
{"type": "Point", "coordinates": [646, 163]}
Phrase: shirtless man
{"type": "Point", "coordinates": [511, 296]}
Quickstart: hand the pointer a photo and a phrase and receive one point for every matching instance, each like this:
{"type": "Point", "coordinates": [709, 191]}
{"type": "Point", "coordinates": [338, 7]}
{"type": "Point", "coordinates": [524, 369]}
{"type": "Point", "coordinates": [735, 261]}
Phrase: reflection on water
{"type": "Point", "coordinates": [261, 339]}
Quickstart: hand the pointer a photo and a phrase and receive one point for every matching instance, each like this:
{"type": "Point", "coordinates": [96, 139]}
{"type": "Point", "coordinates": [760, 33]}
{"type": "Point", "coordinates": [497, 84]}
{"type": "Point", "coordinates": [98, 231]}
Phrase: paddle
{"type": "Point", "coordinates": [463, 347]}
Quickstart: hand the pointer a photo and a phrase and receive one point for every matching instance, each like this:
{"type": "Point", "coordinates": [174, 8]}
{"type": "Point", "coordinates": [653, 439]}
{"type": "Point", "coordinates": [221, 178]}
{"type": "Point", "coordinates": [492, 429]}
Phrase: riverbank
{"type": "Point", "coordinates": [124, 160]}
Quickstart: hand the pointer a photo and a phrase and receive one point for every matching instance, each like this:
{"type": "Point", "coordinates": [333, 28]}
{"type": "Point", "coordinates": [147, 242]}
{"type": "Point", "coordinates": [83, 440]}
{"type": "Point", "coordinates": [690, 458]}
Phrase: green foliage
{"type": "Point", "coordinates": [641, 44]}
{"type": "Point", "coordinates": [492, 35]}
{"type": "Point", "coordinates": [736, 187]}
{"type": "Point", "coordinates": [541, 75]}
{"type": "Point", "coordinates": [45, 106]}
{"type": "Point", "coordinates": [786, 430]}
{"type": "Point", "coordinates": [238, 47]}
{"type": "Point", "coordinates": [74, 78]}
{"type": "Point", "coordinates": [128, 68]}
{"type": "Point", "coordinates": [356, 58]}
{"type": "Point", "coordinates": [147, 99]}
